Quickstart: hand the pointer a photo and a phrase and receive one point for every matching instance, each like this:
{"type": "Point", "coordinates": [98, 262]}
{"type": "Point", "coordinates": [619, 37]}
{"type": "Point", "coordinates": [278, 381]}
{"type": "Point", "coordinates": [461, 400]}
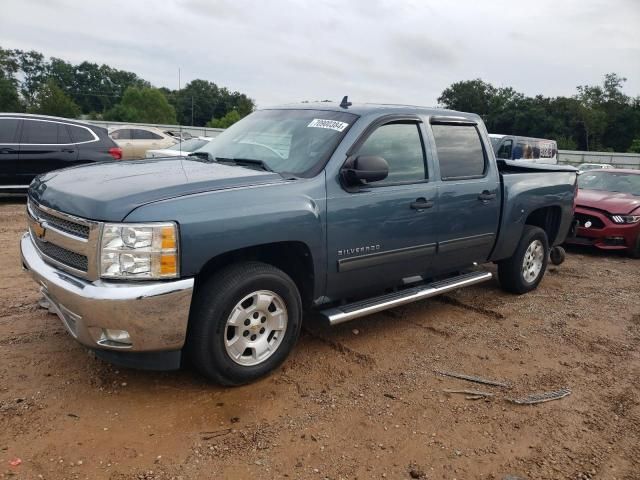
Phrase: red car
{"type": "Point", "coordinates": [608, 210]}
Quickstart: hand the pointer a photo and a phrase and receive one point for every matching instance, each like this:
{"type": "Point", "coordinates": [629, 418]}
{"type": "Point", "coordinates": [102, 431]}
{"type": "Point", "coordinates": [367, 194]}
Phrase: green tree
{"type": "Point", "coordinates": [49, 99]}
{"type": "Point", "coordinates": [635, 146]}
{"type": "Point", "coordinates": [9, 65]}
{"type": "Point", "coordinates": [34, 70]}
{"type": "Point", "coordinates": [147, 105]}
{"type": "Point", "coordinates": [566, 143]}
{"type": "Point", "coordinates": [225, 122]}
{"type": "Point", "coordinates": [469, 96]}
{"type": "Point", "coordinates": [598, 117]}
{"type": "Point", "coordinates": [9, 99]}
{"type": "Point", "coordinates": [200, 101]}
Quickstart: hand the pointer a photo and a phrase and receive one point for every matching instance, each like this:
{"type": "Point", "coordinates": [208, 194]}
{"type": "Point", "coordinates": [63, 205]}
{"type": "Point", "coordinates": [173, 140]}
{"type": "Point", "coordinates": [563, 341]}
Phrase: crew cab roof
{"type": "Point", "coordinates": [377, 109]}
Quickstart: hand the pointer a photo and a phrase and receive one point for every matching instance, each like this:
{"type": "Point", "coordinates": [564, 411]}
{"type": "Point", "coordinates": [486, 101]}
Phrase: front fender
{"type": "Point", "coordinates": [215, 223]}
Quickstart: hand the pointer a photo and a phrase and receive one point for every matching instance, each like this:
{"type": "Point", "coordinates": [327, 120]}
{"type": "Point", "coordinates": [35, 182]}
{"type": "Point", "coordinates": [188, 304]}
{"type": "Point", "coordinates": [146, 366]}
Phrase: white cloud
{"type": "Point", "coordinates": [386, 51]}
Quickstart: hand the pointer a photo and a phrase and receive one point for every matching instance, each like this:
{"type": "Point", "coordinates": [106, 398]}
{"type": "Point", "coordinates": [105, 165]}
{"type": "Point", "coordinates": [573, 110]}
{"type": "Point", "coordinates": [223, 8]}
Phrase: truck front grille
{"type": "Point", "coordinates": [64, 225]}
{"type": "Point", "coordinates": [62, 255]}
{"type": "Point", "coordinates": [67, 241]}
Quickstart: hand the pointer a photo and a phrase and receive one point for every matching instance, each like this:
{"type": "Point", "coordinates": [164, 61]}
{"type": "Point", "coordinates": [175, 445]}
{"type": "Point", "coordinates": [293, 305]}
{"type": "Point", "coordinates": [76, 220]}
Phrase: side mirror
{"type": "Point", "coordinates": [365, 169]}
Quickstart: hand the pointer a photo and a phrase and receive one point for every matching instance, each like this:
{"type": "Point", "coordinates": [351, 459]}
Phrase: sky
{"type": "Point", "coordinates": [287, 51]}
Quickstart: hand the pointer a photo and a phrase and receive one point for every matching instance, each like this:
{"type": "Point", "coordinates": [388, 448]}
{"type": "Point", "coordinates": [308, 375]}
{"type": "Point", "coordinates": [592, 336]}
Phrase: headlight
{"type": "Point", "coordinates": [139, 251]}
{"type": "Point", "coordinates": [626, 218]}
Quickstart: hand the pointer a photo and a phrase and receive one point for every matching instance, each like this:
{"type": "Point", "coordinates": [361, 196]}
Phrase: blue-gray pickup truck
{"type": "Point", "coordinates": [341, 209]}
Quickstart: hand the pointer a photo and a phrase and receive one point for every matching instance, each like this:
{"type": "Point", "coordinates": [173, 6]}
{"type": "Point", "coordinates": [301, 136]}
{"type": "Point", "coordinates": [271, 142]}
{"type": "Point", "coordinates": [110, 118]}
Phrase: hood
{"type": "Point", "coordinates": [612, 202]}
{"type": "Point", "coordinates": [110, 191]}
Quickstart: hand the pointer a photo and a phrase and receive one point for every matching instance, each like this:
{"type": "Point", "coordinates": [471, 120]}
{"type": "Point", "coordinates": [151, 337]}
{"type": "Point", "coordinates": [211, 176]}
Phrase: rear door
{"type": "Point", "coordinates": [124, 139]}
{"type": "Point", "coordinates": [469, 201]}
{"type": "Point", "coordinates": [45, 145]}
{"type": "Point", "coordinates": [144, 140]}
{"type": "Point", "coordinates": [9, 150]}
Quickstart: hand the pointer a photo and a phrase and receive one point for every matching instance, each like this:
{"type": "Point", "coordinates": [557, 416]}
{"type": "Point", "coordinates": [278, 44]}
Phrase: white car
{"type": "Point", "coordinates": [135, 140]}
{"type": "Point", "coordinates": [583, 167]}
{"type": "Point", "coordinates": [180, 149]}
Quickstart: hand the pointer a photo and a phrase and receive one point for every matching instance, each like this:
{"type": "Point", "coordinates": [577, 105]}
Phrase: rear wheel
{"type": "Point", "coordinates": [245, 321]}
{"type": "Point", "coordinates": [523, 272]}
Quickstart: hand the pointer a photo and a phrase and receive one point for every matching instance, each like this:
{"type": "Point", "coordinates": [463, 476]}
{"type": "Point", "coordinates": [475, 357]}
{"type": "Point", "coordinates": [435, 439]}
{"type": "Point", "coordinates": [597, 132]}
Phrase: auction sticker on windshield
{"type": "Point", "coordinates": [331, 124]}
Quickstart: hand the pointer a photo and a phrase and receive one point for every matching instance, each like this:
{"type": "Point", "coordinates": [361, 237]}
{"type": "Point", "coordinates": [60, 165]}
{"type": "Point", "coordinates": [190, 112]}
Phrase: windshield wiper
{"type": "Point", "coordinates": [202, 155]}
{"type": "Point", "coordinates": [245, 162]}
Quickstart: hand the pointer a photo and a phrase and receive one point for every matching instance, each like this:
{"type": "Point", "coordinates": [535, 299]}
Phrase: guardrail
{"type": "Point", "coordinates": [618, 160]}
{"type": "Point", "coordinates": [195, 131]}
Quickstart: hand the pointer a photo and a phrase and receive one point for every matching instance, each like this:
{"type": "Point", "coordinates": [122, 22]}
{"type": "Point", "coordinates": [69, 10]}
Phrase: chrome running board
{"type": "Point", "coordinates": [344, 313]}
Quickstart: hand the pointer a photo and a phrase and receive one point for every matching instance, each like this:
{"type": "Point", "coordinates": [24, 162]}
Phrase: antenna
{"type": "Point", "coordinates": [345, 103]}
{"type": "Point", "coordinates": [179, 123]}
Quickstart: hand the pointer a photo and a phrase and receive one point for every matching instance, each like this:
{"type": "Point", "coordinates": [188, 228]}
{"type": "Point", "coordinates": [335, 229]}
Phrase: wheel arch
{"type": "Point", "coordinates": [548, 219]}
{"type": "Point", "coordinates": [292, 257]}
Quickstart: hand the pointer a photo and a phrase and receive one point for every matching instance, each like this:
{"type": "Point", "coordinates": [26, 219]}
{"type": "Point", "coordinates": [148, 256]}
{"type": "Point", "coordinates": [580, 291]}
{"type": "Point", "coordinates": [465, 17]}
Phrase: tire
{"type": "Point", "coordinates": [635, 251]}
{"type": "Point", "coordinates": [223, 322]}
{"type": "Point", "coordinates": [558, 255]}
{"type": "Point", "coordinates": [511, 272]}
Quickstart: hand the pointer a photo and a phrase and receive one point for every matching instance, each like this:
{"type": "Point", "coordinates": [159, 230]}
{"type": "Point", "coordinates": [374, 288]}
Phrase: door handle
{"type": "Point", "coordinates": [421, 204]}
{"type": "Point", "coordinates": [7, 150]}
{"type": "Point", "coordinates": [486, 196]}
{"type": "Point", "coordinates": [68, 150]}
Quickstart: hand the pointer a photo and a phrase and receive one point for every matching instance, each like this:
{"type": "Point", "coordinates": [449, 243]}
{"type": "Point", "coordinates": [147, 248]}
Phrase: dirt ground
{"type": "Point", "coordinates": [360, 400]}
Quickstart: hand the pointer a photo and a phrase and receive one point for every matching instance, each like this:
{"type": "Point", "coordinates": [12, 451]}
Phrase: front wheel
{"type": "Point", "coordinates": [523, 272]}
{"type": "Point", "coordinates": [245, 321]}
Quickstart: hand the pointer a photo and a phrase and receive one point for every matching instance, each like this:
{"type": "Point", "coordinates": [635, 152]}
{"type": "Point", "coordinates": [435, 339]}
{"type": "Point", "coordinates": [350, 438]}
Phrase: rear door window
{"type": "Point", "coordinates": [139, 134]}
{"type": "Point", "coordinates": [460, 151]}
{"type": "Point", "coordinates": [9, 130]}
{"type": "Point", "coordinates": [400, 144]}
{"type": "Point", "coordinates": [37, 132]}
{"type": "Point", "coordinates": [80, 134]}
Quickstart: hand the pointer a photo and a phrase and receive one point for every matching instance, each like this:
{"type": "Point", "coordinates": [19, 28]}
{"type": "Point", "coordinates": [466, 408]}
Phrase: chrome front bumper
{"type": "Point", "coordinates": [155, 314]}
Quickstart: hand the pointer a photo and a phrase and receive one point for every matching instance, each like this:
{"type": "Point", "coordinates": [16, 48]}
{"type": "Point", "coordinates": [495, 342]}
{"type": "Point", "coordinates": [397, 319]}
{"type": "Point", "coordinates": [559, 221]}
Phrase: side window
{"type": "Point", "coordinates": [523, 151]}
{"type": "Point", "coordinates": [9, 130]}
{"type": "Point", "coordinates": [505, 150]}
{"type": "Point", "coordinates": [80, 134]}
{"type": "Point", "coordinates": [535, 147]}
{"type": "Point", "coordinates": [139, 134]}
{"type": "Point", "coordinates": [122, 134]}
{"type": "Point", "coordinates": [44, 133]}
{"type": "Point", "coordinates": [400, 144]}
{"type": "Point", "coordinates": [460, 151]}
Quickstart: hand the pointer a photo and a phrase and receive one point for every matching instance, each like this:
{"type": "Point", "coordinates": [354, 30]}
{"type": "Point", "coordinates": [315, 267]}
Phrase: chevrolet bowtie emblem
{"type": "Point", "coordinates": [39, 230]}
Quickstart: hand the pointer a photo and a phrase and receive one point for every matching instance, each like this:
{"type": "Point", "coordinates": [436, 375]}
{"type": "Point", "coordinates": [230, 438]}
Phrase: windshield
{"type": "Point", "coordinates": [610, 181]}
{"type": "Point", "coordinates": [189, 145]}
{"type": "Point", "coordinates": [297, 142]}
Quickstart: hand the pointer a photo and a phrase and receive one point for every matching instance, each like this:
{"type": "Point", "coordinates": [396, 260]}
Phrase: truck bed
{"type": "Point", "coordinates": [527, 187]}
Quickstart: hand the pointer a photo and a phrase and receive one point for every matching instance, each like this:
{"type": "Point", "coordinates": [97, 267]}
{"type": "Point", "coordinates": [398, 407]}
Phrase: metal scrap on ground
{"type": "Point", "coordinates": [472, 378]}
{"type": "Point", "coordinates": [469, 392]}
{"type": "Point", "coordinates": [541, 397]}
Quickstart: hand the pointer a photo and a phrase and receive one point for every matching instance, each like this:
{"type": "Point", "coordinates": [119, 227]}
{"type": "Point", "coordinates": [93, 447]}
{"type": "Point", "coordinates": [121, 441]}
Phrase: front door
{"type": "Point", "coordinates": [385, 231]}
{"type": "Point", "coordinates": [45, 145]}
{"type": "Point", "coordinates": [469, 196]}
{"type": "Point", "coordinates": [9, 150]}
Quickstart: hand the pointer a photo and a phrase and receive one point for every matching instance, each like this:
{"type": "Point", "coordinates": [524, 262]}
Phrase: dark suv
{"type": "Point", "coordinates": [35, 144]}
